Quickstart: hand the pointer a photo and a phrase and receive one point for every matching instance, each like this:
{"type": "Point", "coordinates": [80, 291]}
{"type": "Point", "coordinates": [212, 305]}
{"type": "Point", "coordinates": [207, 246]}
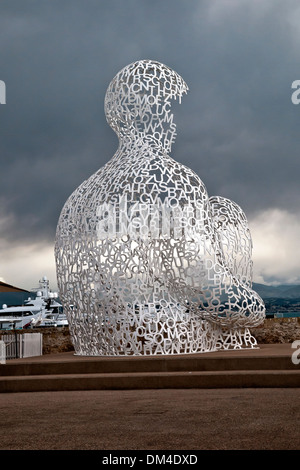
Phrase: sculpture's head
{"type": "Point", "coordinates": [138, 101]}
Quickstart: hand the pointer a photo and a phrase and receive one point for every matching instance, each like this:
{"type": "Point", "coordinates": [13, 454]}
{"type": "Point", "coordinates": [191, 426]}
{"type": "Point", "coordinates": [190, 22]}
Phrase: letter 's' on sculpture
{"type": "Point", "coordinates": [147, 262]}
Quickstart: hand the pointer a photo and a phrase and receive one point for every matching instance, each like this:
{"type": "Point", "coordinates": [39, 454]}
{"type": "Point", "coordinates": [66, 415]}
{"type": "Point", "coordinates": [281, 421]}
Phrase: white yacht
{"type": "Point", "coordinates": [43, 310]}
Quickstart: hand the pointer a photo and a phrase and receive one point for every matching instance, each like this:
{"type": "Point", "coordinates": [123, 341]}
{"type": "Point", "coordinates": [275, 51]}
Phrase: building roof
{"type": "Point", "coordinates": [9, 288]}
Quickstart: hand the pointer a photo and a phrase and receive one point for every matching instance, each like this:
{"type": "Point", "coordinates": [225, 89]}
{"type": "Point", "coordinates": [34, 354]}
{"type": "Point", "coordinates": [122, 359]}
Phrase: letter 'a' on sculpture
{"type": "Point", "coordinates": [147, 263]}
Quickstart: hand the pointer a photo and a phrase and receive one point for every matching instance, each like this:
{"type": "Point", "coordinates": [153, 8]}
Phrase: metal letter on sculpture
{"type": "Point", "coordinates": [146, 262]}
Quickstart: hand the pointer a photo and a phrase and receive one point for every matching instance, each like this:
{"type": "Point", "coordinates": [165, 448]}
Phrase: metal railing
{"type": "Point", "coordinates": [20, 345]}
{"type": "Point", "coordinates": [2, 352]}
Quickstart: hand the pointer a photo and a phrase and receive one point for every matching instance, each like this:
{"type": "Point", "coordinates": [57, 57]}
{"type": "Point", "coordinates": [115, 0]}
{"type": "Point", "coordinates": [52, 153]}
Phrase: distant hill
{"type": "Point", "coordinates": [283, 291]}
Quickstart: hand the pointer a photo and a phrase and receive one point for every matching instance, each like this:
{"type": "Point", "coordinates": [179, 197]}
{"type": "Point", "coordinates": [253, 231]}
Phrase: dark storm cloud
{"type": "Point", "coordinates": [237, 127]}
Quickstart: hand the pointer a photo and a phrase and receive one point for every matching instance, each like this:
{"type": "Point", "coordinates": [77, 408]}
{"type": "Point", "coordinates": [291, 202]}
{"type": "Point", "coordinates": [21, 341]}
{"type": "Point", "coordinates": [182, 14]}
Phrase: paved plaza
{"type": "Point", "coordinates": [158, 419]}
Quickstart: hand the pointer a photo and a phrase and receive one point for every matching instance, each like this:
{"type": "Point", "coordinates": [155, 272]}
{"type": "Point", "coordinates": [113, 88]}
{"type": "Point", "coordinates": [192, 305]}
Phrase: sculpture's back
{"type": "Point", "coordinates": [139, 260]}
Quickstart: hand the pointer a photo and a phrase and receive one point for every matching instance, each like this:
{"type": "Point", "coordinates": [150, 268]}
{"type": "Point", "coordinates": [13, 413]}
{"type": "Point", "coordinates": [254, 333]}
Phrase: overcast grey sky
{"type": "Point", "coordinates": [237, 127]}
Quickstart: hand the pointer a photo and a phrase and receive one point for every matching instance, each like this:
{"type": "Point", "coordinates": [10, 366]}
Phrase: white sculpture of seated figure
{"type": "Point", "coordinates": [146, 262]}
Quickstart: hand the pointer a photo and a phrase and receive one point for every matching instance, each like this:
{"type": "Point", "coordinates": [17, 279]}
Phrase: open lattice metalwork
{"type": "Point", "coordinates": [147, 262]}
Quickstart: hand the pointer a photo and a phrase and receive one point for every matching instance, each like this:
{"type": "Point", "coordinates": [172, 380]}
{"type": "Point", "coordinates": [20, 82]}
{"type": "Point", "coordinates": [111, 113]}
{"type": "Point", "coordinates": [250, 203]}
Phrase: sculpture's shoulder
{"type": "Point", "coordinates": [182, 179]}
